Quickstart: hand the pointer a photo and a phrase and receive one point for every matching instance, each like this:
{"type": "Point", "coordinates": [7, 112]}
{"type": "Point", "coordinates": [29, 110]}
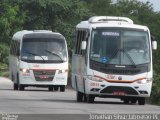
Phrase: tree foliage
{"type": "Point", "coordinates": [11, 20]}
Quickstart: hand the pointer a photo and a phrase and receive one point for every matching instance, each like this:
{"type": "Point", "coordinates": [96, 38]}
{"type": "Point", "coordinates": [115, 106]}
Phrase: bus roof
{"type": "Point", "coordinates": [35, 33]}
{"type": "Point", "coordinates": [109, 21]}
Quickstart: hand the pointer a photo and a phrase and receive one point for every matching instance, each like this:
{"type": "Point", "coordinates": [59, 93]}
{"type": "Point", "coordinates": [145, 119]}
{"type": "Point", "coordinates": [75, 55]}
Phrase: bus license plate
{"type": "Point", "coordinates": [43, 77]}
{"type": "Point", "coordinates": [119, 93]}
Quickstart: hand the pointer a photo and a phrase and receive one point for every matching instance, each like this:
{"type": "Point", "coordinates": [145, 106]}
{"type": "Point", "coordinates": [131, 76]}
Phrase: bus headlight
{"type": "Point", "coordinates": [94, 79]}
{"type": "Point", "coordinates": [62, 71]}
{"type": "Point", "coordinates": [144, 81]}
{"type": "Point", "coordinates": [65, 59]}
{"type": "Point", "coordinates": [24, 70]}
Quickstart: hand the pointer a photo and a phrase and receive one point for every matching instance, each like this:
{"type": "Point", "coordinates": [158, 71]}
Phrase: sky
{"type": "Point", "coordinates": [156, 4]}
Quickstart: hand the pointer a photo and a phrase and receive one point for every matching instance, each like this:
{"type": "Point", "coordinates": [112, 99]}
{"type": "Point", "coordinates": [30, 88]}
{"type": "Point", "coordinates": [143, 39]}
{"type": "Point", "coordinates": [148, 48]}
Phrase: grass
{"type": "Point", "coordinates": [4, 70]}
{"type": "Point", "coordinates": [4, 74]}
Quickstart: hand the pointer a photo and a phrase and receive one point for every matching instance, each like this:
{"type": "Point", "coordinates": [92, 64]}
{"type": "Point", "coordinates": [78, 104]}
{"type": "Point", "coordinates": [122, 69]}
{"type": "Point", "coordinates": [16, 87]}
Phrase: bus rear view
{"type": "Point", "coordinates": [116, 60]}
{"type": "Point", "coordinates": [38, 58]}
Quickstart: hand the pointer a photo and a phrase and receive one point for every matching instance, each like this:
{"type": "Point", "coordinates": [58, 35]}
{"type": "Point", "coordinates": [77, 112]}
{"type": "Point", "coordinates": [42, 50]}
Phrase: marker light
{"type": "Point", "coordinates": [144, 81]}
{"type": "Point", "coordinates": [94, 78]}
{"type": "Point", "coordinates": [62, 71]}
{"type": "Point", "coordinates": [25, 70]}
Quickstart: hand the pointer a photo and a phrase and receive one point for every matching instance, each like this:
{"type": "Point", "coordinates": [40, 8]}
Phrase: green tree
{"type": "Point", "coordinates": [100, 7]}
{"type": "Point", "coordinates": [56, 15]}
{"type": "Point", "coordinates": [4, 53]}
{"type": "Point", "coordinates": [11, 20]}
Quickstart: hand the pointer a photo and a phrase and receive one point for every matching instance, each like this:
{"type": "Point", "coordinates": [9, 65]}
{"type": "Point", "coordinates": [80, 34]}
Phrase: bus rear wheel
{"type": "Point", "coordinates": [21, 87]}
{"type": "Point", "coordinates": [79, 96]}
{"type": "Point", "coordinates": [85, 98]}
{"type": "Point", "coordinates": [15, 86]}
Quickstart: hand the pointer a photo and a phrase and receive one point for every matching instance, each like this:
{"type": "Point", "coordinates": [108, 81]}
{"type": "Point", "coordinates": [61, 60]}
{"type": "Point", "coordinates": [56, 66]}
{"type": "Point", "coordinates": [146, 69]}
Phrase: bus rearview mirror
{"type": "Point", "coordinates": [154, 45]}
{"type": "Point", "coordinates": [83, 45]}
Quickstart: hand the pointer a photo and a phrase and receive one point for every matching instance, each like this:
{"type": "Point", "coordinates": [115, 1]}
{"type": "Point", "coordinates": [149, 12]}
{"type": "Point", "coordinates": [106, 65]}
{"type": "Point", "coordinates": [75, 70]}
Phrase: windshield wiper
{"type": "Point", "coordinates": [34, 54]}
{"type": "Point", "coordinates": [114, 54]}
{"type": "Point", "coordinates": [124, 51]}
{"type": "Point", "coordinates": [53, 53]}
{"type": "Point", "coordinates": [130, 58]}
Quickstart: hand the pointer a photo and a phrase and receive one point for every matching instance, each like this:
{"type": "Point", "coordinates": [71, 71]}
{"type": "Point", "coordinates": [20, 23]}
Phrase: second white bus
{"type": "Point", "coordinates": [38, 58]}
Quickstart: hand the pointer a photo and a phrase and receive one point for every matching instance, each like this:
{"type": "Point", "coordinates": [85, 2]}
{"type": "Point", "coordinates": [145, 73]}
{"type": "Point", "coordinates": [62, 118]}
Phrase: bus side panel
{"type": "Point", "coordinates": [78, 71]}
{"type": "Point", "coordinates": [13, 67]}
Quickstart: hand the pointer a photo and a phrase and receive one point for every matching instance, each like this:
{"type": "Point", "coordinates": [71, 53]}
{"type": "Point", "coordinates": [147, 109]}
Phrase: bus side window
{"type": "Point", "coordinates": [11, 48]}
{"type": "Point", "coordinates": [81, 36]}
{"type": "Point", "coordinates": [14, 49]}
{"type": "Point", "coordinates": [77, 42]}
{"type": "Point", "coordinates": [18, 49]}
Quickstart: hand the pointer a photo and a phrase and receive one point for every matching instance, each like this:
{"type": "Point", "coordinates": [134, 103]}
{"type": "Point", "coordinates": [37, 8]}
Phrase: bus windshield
{"type": "Point", "coordinates": [43, 50]}
{"type": "Point", "coordinates": [120, 47]}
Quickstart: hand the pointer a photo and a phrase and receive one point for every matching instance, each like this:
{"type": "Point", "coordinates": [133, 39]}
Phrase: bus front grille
{"type": "Point", "coordinates": [44, 75]}
{"type": "Point", "coordinates": [126, 90]}
{"type": "Point", "coordinates": [120, 71]}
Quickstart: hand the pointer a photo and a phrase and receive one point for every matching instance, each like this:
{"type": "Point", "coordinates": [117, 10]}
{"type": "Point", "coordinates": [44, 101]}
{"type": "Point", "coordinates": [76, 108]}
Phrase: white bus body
{"type": "Point", "coordinates": [38, 58]}
{"type": "Point", "coordinates": [112, 58]}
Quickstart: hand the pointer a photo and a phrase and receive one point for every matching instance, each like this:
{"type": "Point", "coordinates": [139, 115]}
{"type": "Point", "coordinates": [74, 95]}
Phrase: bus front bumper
{"type": "Point", "coordinates": [117, 90]}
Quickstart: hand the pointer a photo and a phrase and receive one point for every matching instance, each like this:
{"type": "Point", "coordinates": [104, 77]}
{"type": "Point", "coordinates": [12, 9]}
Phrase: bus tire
{"type": "Point", "coordinates": [85, 98]}
{"type": "Point", "coordinates": [21, 87]}
{"type": "Point", "coordinates": [55, 88]}
{"type": "Point", "coordinates": [133, 100]}
{"type": "Point", "coordinates": [62, 88]}
{"type": "Point", "coordinates": [15, 86]}
{"type": "Point", "coordinates": [141, 101]}
{"type": "Point", "coordinates": [50, 88]}
{"type": "Point", "coordinates": [126, 101]}
{"type": "Point", "coordinates": [79, 96]}
{"type": "Point", "coordinates": [90, 98]}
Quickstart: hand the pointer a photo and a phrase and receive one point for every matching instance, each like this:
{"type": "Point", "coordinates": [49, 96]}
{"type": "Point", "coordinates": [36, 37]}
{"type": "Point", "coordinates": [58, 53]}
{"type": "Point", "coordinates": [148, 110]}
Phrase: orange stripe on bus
{"type": "Point", "coordinates": [120, 81]}
{"type": "Point", "coordinates": [45, 69]}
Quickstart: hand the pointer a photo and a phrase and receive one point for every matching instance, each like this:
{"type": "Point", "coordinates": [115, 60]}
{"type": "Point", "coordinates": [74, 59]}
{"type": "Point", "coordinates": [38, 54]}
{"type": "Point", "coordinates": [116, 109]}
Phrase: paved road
{"type": "Point", "coordinates": [41, 101]}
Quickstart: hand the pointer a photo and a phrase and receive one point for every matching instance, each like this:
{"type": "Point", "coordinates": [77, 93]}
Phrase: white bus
{"type": "Point", "coordinates": [112, 58]}
{"type": "Point", "coordinates": [38, 58]}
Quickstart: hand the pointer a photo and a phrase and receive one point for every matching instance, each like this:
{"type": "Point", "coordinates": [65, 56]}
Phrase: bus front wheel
{"type": "Point", "coordinates": [62, 88]}
{"type": "Point", "coordinates": [133, 100]}
{"type": "Point", "coordinates": [50, 88]}
{"type": "Point", "coordinates": [126, 101]}
{"type": "Point", "coordinates": [55, 88]}
{"type": "Point", "coordinates": [90, 98]}
{"type": "Point", "coordinates": [141, 101]}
